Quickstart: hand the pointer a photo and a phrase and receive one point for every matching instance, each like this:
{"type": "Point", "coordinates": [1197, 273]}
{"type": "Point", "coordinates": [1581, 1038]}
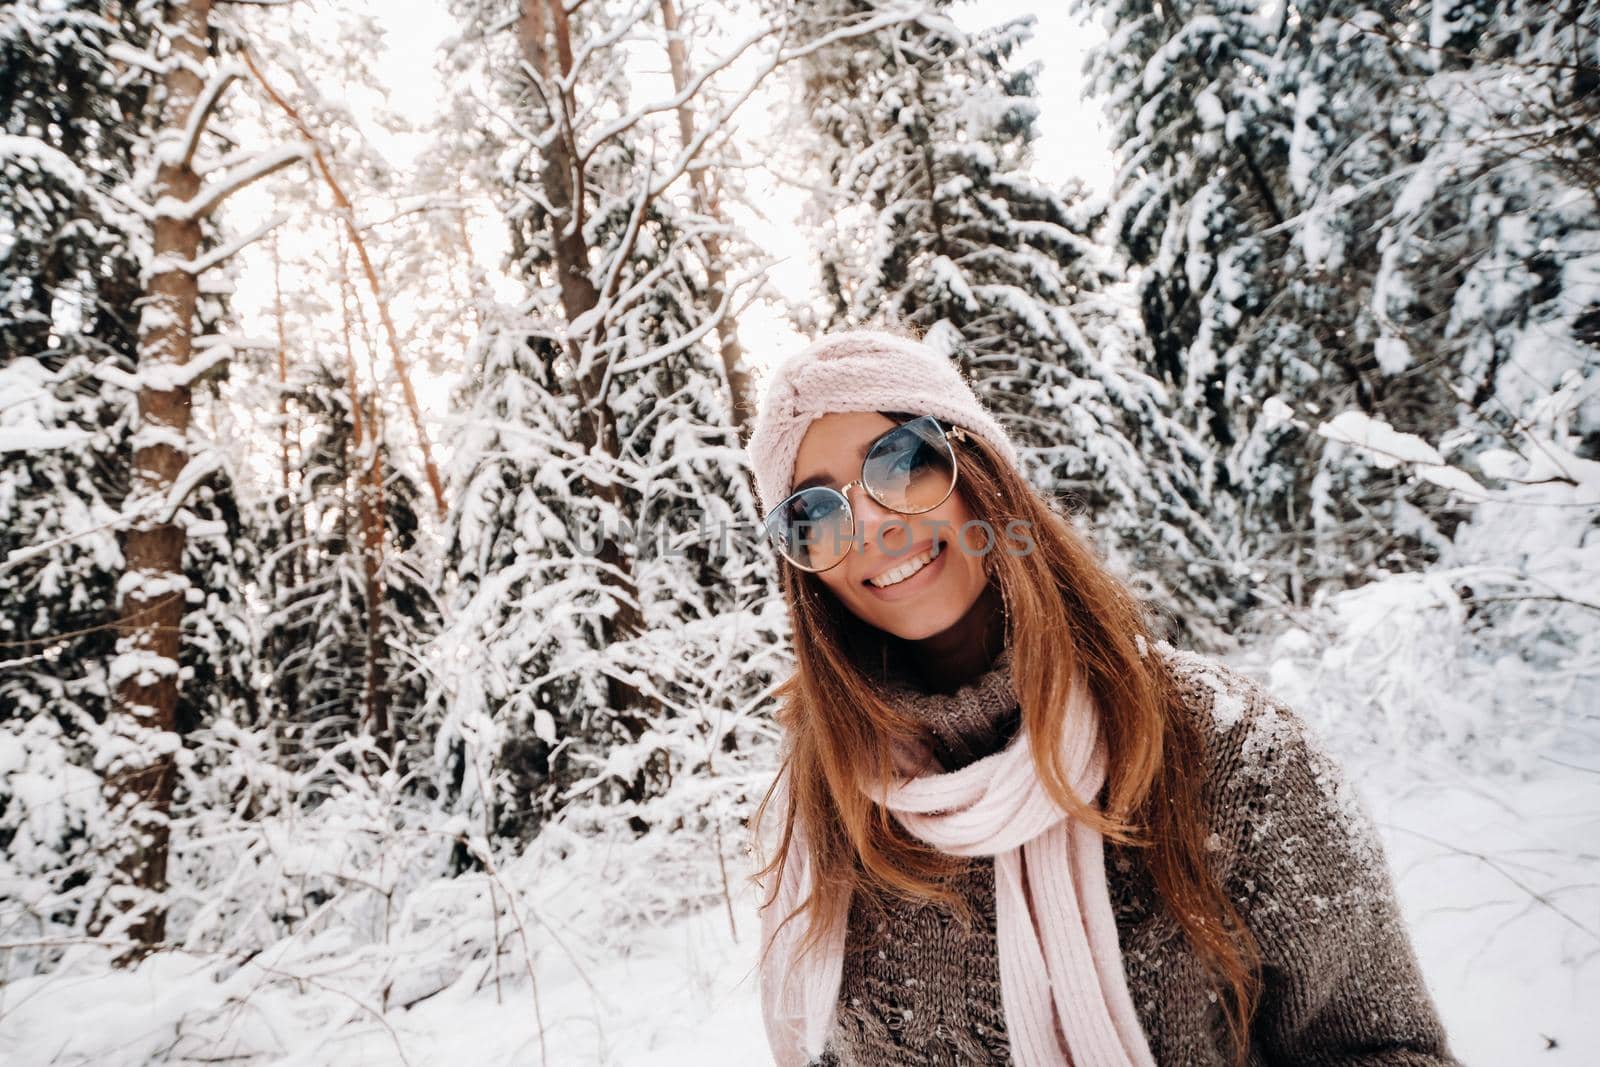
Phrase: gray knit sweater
{"type": "Point", "coordinates": [1294, 848]}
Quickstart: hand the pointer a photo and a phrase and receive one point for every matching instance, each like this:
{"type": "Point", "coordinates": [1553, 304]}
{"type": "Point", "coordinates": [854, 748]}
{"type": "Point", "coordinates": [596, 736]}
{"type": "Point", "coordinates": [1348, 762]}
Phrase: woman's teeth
{"type": "Point", "coordinates": [905, 570]}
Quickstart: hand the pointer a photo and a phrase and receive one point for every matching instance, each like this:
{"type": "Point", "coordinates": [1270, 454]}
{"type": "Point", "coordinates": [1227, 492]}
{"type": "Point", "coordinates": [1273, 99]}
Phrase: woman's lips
{"type": "Point", "coordinates": [918, 581]}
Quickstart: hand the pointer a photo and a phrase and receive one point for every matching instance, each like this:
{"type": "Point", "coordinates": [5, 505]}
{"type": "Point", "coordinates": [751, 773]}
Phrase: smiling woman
{"type": "Point", "coordinates": [915, 562]}
{"type": "Point", "coordinates": [1103, 850]}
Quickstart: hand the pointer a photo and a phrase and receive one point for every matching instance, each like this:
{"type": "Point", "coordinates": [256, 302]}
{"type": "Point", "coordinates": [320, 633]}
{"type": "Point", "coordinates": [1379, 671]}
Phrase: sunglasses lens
{"type": "Point", "coordinates": [812, 528]}
{"type": "Point", "coordinates": [912, 468]}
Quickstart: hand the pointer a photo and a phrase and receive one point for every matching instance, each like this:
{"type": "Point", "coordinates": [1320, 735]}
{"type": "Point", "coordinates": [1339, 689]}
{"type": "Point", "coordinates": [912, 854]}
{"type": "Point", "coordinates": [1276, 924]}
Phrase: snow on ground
{"type": "Point", "coordinates": [1497, 880]}
{"type": "Point", "coordinates": [1498, 876]}
{"type": "Point", "coordinates": [679, 991]}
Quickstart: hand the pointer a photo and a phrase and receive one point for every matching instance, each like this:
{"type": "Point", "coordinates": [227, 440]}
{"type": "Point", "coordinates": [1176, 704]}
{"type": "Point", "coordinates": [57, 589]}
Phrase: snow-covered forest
{"type": "Point", "coordinates": [386, 660]}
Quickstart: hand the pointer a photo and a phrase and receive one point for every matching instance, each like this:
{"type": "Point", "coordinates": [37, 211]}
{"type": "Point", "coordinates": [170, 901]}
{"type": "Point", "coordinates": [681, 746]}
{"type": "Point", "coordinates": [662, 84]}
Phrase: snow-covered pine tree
{"type": "Point", "coordinates": [1198, 142]}
{"type": "Point", "coordinates": [1196, 136]}
{"type": "Point", "coordinates": [933, 219]}
{"type": "Point", "coordinates": [344, 584]}
{"type": "Point", "coordinates": [617, 636]}
{"type": "Point", "coordinates": [1258, 145]}
{"type": "Point", "coordinates": [1487, 257]}
{"type": "Point", "coordinates": [708, 187]}
{"type": "Point", "coordinates": [182, 173]}
{"type": "Point", "coordinates": [337, 578]}
{"type": "Point", "coordinates": [69, 277]}
{"type": "Point", "coordinates": [509, 541]}
{"type": "Point", "coordinates": [1488, 279]}
{"type": "Point", "coordinates": [345, 613]}
{"type": "Point", "coordinates": [1353, 119]}
{"type": "Point", "coordinates": [75, 102]}
{"type": "Point", "coordinates": [1304, 186]}
{"type": "Point", "coordinates": [396, 563]}
{"type": "Point", "coordinates": [68, 281]}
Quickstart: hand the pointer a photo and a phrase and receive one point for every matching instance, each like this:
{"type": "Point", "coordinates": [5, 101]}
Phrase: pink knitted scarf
{"type": "Point", "coordinates": [1062, 984]}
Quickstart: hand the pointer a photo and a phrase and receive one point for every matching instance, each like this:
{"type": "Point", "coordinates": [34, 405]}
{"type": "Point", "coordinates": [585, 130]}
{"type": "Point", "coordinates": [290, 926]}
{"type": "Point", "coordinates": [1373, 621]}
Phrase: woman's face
{"type": "Point", "coordinates": [936, 596]}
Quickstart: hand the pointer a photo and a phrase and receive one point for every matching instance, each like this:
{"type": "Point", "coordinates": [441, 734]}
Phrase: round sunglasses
{"type": "Point", "coordinates": [909, 469]}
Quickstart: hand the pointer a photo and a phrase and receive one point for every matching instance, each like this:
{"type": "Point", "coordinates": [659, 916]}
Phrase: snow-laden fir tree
{"type": "Point", "coordinates": [346, 604]}
{"type": "Point", "coordinates": [1258, 145]}
{"type": "Point", "coordinates": [69, 281]}
{"type": "Point", "coordinates": [611, 613]}
{"type": "Point", "coordinates": [1488, 279]}
{"type": "Point", "coordinates": [1351, 126]}
{"type": "Point", "coordinates": [1488, 272]}
{"type": "Point", "coordinates": [932, 217]}
{"type": "Point", "coordinates": [1305, 188]}
{"type": "Point", "coordinates": [1197, 138]}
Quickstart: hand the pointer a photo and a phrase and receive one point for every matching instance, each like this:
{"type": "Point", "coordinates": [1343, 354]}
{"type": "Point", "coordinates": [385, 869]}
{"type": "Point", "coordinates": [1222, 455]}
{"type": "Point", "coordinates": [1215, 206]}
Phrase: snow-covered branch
{"type": "Point", "coordinates": [211, 350]}
{"type": "Point", "coordinates": [164, 377]}
{"type": "Point", "coordinates": [257, 167]}
{"type": "Point", "coordinates": [1389, 447]}
{"type": "Point", "coordinates": [194, 472]}
{"type": "Point", "coordinates": [26, 439]}
{"type": "Point", "coordinates": [133, 57]}
{"type": "Point", "coordinates": [222, 252]}
{"type": "Point", "coordinates": [46, 159]}
{"type": "Point", "coordinates": [684, 341]}
{"type": "Point", "coordinates": [181, 153]}
{"type": "Point", "coordinates": [690, 90]}
{"type": "Point", "coordinates": [164, 507]}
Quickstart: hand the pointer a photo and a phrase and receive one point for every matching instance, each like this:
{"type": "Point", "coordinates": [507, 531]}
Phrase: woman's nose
{"type": "Point", "coordinates": [881, 529]}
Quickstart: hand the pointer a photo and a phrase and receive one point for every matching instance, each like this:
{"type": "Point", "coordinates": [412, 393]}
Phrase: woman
{"type": "Point", "coordinates": [1016, 828]}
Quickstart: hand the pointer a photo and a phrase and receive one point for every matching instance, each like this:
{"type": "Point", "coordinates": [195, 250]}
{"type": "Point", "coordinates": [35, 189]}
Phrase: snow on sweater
{"type": "Point", "coordinates": [1296, 852]}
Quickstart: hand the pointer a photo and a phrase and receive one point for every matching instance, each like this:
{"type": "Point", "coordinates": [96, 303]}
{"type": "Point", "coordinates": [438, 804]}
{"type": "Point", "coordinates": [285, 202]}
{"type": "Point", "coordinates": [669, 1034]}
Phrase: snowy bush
{"type": "Point", "coordinates": [1492, 657]}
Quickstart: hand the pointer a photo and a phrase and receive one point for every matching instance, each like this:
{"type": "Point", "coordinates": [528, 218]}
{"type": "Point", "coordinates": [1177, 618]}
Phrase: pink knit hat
{"type": "Point", "coordinates": [858, 370]}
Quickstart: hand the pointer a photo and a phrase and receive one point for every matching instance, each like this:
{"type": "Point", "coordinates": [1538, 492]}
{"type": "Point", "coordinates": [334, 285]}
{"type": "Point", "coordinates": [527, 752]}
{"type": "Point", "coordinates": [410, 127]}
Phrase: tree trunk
{"type": "Point", "coordinates": [737, 374]}
{"type": "Point", "coordinates": [365, 468]}
{"type": "Point", "coordinates": [372, 526]}
{"type": "Point", "coordinates": [541, 23]}
{"type": "Point", "coordinates": [292, 516]}
{"type": "Point", "coordinates": [140, 778]}
{"type": "Point", "coordinates": [283, 364]}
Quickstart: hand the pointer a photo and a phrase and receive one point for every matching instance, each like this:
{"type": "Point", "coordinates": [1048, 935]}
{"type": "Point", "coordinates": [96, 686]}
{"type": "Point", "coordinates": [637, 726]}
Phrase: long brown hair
{"type": "Point", "coordinates": [1064, 611]}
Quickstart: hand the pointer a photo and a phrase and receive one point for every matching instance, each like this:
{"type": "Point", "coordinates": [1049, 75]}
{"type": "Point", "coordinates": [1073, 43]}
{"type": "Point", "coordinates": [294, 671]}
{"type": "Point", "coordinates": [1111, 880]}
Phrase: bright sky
{"type": "Point", "coordinates": [1072, 142]}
